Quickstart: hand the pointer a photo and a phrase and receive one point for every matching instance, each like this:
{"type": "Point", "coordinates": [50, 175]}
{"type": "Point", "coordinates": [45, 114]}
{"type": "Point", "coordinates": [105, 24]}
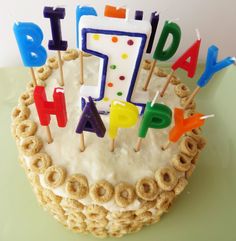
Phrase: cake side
{"type": "Point", "coordinates": [87, 197]}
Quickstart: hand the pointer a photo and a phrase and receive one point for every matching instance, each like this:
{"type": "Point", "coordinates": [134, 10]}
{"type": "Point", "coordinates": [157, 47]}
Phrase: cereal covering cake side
{"type": "Point", "coordinates": [97, 191]}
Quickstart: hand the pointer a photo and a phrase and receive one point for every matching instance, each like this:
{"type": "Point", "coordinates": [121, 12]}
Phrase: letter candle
{"type": "Point", "coordinates": [120, 44]}
{"type": "Point", "coordinates": [184, 125]}
{"type": "Point", "coordinates": [212, 66]}
{"type": "Point", "coordinates": [156, 116]}
{"type": "Point", "coordinates": [122, 115]}
{"type": "Point", "coordinates": [91, 121]}
{"type": "Point", "coordinates": [29, 37]}
{"type": "Point", "coordinates": [187, 62]}
{"type": "Point", "coordinates": [161, 54]}
{"type": "Point", "coordinates": [45, 108]}
{"type": "Point", "coordinates": [55, 15]}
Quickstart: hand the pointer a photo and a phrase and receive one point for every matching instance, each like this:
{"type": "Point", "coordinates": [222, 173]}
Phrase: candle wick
{"type": "Point", "coordinates": [198, 34]}
{"type": "Point", "coordinates": [156, 13]}
{"type": "Point", "coordinates": [206, 117]}
{"type": "Point", "coordinates": [174, 20]}
{"type": "Point", "coordinates": [127, 15]}
{"type": "Point", "coordinates": [234, 59]}
{"type": "Point", "coordinates": [155, 98]}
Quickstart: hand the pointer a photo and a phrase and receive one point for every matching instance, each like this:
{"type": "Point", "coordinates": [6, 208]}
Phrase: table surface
{"type": "Point", "coordinates": [205, 210]}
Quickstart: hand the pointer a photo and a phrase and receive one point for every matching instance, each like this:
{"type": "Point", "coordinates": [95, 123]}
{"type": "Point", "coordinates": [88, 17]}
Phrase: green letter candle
{"type": "Point", "coordinates": [158, 116]}
{"type": "Point", "coordinates": [165, 54]}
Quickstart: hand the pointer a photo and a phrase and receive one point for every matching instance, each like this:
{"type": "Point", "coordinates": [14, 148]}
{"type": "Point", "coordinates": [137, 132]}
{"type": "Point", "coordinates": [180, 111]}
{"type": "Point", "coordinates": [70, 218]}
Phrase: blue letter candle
{"type": "Point", "coordinates": [29, 37]}
{"type": "Point", "coordinates": [82, 11]}
{"type": "Point", "coordinates": [55, 15]}
{"type": "Point", "coordinates": [212, 66]}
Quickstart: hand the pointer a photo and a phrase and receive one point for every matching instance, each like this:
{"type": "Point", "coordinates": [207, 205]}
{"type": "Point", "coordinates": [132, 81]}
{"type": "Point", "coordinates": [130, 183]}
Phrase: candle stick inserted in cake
{"type": "Point", "coordinates": [82, 11]}
{"type": "Point", "coordinates": [29, 37]}
{"type": "Point", "coordinates": [183, 125]}
{"type": "Point", "coordinates": [212, 66]}
{"type": "Point", "coordinates": [122, 115]}
{"type": "Point", "coordinates": [161, 53]}
{"type": "Point", "coordinates": [45, 108]}
{"type": "Point", "coordinates": [156, 116]}
{"type": "Point", "coordinates": [187, 62]}
{"type": "Point", "coordinates": [90, 121]}
{"type": "Point", "coordinates": [55, 15]}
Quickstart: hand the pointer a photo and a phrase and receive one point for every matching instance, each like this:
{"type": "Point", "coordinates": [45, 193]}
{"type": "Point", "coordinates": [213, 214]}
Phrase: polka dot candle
{"type": "Point", "coordinates": [121, 57]}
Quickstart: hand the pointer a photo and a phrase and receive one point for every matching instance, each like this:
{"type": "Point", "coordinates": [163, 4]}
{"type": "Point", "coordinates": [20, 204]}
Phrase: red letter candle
{"type": "Point", "coordinates": [46, 108]}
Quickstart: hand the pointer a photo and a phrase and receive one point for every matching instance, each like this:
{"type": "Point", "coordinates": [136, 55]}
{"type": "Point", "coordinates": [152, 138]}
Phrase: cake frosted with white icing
{"type": "Point", "coordinates": [97, 191]}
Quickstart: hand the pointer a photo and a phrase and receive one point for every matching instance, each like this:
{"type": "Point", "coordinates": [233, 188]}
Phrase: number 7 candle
{"type": "Point", "coordinates": [120, 45]}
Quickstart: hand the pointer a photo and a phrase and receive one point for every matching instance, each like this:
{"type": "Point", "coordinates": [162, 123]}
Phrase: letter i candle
{"type": "Point", "coordinates": [55, 15]}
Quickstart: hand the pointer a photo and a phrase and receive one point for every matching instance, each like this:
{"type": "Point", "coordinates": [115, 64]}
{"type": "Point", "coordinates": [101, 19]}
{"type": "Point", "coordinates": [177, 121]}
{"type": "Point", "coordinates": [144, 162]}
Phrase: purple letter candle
{"type": "Point", "coordinates": [154, 22]}
{"type": "Point", "coordinates": [138, 15]}
{"type": "Point", "coordinates": [90, 120]}
{"type": "Point", "coordinates": [55, 15]}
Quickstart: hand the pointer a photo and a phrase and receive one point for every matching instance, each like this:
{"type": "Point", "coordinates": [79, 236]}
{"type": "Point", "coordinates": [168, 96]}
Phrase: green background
{"type": "Point", "coordinates": [206, 210]}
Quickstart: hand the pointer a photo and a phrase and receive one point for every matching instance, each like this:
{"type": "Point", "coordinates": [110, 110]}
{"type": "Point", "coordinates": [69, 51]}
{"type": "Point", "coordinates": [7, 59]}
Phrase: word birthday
{"type": "Point", "coordinates": [120, 43]}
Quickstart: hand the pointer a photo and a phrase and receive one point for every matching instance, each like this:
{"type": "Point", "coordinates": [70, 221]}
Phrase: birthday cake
{"type": "Point", "coordinates": [98, 191]}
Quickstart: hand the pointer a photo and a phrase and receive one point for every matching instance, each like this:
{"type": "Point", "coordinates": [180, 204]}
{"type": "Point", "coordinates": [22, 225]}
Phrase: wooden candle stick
{"type": "Point", "coordinates": [81, 142]}
{"type": "Point", "coordinates": [154, 62]}
{"type": "Point", "coordinates": [138, 144]}
{"type": "Point", "coordinates": [191, 97]}
{"type": "Point", "coordinates": [61, 83]}
{"type": "Point", "coordinates": [33, 76]}
{"type": "Point", "coordinates": [49, 134]}
{"type": "Point", "coordinates": [81, 68]}
{"type": "Point", "coordinates": [166, 146]}
{"type": "Point", "coordinates": [112, 145]}
{"type": "Point", "coordinates": [167, 83]}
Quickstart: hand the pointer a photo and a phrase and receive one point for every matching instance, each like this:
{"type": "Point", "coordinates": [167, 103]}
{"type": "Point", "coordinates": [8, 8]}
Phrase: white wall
{"type": "Point", "coordinates": [215, 19]}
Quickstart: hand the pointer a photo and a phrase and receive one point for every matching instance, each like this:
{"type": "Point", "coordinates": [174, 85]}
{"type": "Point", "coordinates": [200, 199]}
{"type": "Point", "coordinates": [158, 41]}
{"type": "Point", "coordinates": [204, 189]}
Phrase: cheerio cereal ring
{"type": "Point", "coordinates": [81, 228]}
{"type": "Point", "coordinates": [146, 64]}
{"type": "Point", "coordinates": [189, 173]}
{"type": "Point", "coordinates": [70, 54]}
{"type": "Point", "coordinates": [125, 215]}
{"type": "Point", "coordinates": [191, 105]}
{"type": "Point", "coordinates": [52, 62]}
{"type": "Point", "coordinates": [182, 90]}
{"type": "Point", "coordinates": [165, 200]}
{"type": "Point", "coordinates": [174, 80]}
{"type": "Point", "coordinates": [20, 113]}
{"type": "Point", "coordinates": [95, 212]}
{"type": "Point", "coordinates": [49, 196]}
{"type": "Point", "coordinates": [144, 217]}
{"type": "Point", "coordinates": [181, 162]}
{"type": "Point", "coordinates": [101, 223]}
{"type": "Point", "coordinates": [195, 158]}
{"type": "Point", "coordinates": [54, 176]}
{"type": "Point", "coordinates": [160, 72]}
{"type": "Point", "coordinates": [77, 186]}
{"type": "Point", "coordinates": [188, 146]}
{"type": "Point", "coordinates": [124, 194]}
{"type": "Point", "coordinates": [201, 143]}
{"type": "Point", "coordinates": [43, 72]}
{"type": "Point", "coordinates": [40, 162]}
{"type": "Point", "coordinates": [72, 204]}
{"type": "Point", "coordinates": [182, 183]}
{"type": "Point", "coordinates": [166, 178]}
{"type": "Point", "coordinates": [86, 54]}
{"type": "Point", "coordinates": [189, 112]}
{"type": "Point", "coordinates": [147, 189]}
{"type": "Point", "coordinates": [31, 145]}
{"type": "Point", "coordinates": [26, 128]}
{"type": "Point", "coordinates": [145, 206]}
{"type": "Point", "coordinates": [102, 191]}
{"type": "Point", "coordinates": [26, 98]}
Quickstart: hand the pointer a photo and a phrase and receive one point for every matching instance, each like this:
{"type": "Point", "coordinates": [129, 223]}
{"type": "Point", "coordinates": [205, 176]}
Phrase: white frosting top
{"type": "Point", "coordinates": [97, 162]}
